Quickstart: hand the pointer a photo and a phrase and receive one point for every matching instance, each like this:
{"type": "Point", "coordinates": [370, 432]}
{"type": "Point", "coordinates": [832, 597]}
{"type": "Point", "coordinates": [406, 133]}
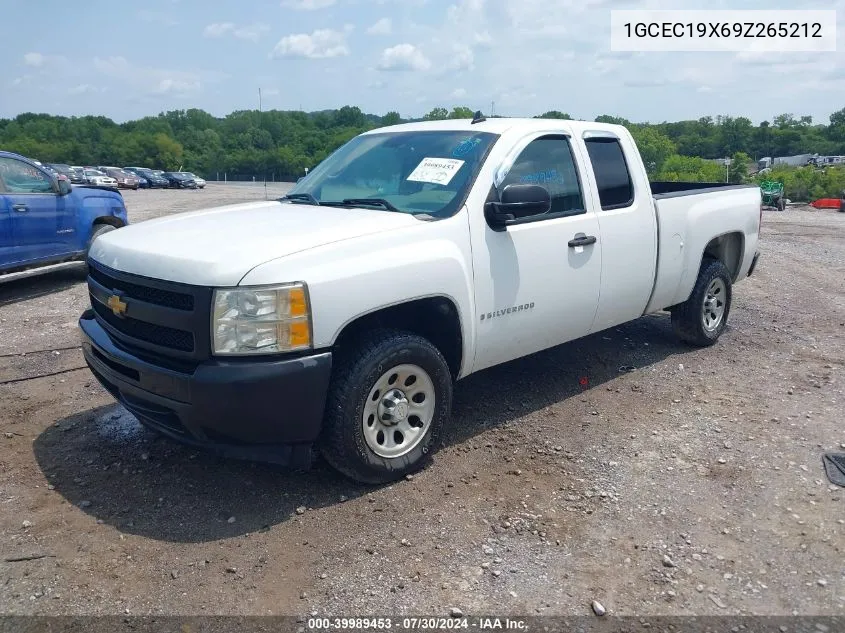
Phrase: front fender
{"type": "Point", "coordinates": [354, 278]}
{"type": "Point", "coordinates": [94, 204]}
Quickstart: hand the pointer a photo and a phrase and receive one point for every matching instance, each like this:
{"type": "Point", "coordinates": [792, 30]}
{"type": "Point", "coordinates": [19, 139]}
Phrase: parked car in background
{"type": "Point", "coordinates": [200, 182]}
{"type": "Point", "coordinates": [68, 172]}
{"type": "Point", "coordinates": [54, 173]}
{"type": "Point", "coordinates": [124, 180]}
{"type": "Point", "coordinates": [79, 174]}
{"type": "Point", "coordinates": [178, 180]}
{"type": "Point", "coordinates": [46, 223]}
{"type": "Point", "coordinates": [98, 179]}
{"type": "Point", "coordinates": [153, 179]}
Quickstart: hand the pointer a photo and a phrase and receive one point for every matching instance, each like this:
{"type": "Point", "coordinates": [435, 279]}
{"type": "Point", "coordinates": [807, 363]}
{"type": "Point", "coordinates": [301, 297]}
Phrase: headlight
{"type": "Point", "coordinates": [261, 319]}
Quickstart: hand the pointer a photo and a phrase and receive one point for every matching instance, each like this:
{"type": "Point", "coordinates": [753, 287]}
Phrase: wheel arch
{"type": "Point", "coordinates": [108, 219]}
{"type": "Point", "coordinates": [728, 248]}
{"type": "Point", "coordinates": [435, 318]}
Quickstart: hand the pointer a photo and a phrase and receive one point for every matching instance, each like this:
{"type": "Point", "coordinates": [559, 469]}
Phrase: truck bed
{"type": "Point", "coordinates": [689, 215]}
{"type": "Point", "coordinates": [669, 189]}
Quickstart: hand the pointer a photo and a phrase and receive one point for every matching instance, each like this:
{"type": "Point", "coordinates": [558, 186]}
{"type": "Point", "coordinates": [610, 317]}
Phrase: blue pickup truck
{"type": "Point", "coordinates": [46, 223]}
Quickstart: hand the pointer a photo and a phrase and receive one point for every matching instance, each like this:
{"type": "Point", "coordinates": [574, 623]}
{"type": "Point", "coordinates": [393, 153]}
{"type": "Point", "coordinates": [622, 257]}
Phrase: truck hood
{"type": "Point", "coordinates": [217, 247]}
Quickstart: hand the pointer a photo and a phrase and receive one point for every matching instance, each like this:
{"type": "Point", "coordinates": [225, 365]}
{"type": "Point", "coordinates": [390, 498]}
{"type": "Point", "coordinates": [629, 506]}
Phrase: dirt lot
{"type": "Point", "coordinates": [691, 485]}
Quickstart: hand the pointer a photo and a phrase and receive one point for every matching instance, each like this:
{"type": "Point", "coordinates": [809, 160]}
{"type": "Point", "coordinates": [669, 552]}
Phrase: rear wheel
{"type": "Point", "coordinates": [702, 318]}
{"type": "Point", "coordinates": [388, 402]}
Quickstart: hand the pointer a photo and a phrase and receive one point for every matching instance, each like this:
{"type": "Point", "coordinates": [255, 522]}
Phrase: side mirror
{"type": "Point", "coordinates": [517, 201]}
{"type": "Point", "coordinates": [64, 187]}
{"type": "Point", "coordinates": [300, 178]}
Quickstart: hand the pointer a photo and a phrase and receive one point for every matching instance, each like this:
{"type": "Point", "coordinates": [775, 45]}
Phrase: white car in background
{"type": "Point", "coordinates": [200, 181]}
{"type": "Point", "coordinates": [99, 179]}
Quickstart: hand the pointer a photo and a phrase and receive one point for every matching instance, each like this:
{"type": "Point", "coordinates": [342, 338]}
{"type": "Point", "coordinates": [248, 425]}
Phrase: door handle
{"type": "Point", "coordinates": [582, 240]}
{"type": "Point", "coordinates": [20, 207]}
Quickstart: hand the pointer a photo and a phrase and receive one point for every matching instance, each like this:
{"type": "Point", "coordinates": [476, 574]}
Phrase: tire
{"type": "Point", "coordinates": [355, 408]}
{"type": "Point", "coordinates": [99, 229]}
{"type": "Point", "coordinates": [692, 321]}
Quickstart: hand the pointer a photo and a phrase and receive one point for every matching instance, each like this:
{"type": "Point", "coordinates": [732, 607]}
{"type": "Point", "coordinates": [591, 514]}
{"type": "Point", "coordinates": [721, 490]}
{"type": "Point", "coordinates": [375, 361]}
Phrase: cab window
{"type": "Point", "coordinates": [17, 176]}
{"type": "Point", "coordinates": [548, 162]}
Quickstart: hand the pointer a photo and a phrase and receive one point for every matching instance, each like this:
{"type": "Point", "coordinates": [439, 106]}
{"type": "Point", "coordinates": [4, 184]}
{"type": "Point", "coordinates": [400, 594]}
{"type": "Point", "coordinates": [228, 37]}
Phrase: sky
{"type": "Point", "coordinates": [521, 57]}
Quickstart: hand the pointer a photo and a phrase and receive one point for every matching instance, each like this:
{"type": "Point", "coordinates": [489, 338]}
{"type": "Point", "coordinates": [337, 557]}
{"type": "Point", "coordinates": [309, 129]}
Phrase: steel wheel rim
{"type": "Point", "coordinates": [713, 307]}
{"type": "Point", "coordinates": [398, 411]}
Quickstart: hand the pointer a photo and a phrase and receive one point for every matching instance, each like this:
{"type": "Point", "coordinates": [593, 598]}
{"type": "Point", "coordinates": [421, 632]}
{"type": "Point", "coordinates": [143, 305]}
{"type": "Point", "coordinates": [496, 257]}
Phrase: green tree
{"type": "Point", "coordinates": [437, 114]}
{"type": "Point", "coordinates": [350, 116]}
{"type": "Point", "coordinates": [691, 169]}
{"type": "Point", "coordinates": [738, 169]}
{"type": "Point", "coordinates": [654, 147]}
{"type": "Point", "coordinates": [391, 118]}
{"type": "Point", "coordinates": [167, 152]}
{"type": "Point", "coordinates": [614, 120]}
{"type": "Point", "coordinates": [553, 114]}
{"type": "Point", "coordinates": [461, 112]}
{"type": "Point", "coordinates": [247, 142]}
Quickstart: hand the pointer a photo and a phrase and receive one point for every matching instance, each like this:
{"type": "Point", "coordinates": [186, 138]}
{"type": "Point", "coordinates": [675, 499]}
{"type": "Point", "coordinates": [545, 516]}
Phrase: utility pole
{"type": "Point", "coordinates": [265, 154]}
{"type": "Point", "coordinates": [492, 108]}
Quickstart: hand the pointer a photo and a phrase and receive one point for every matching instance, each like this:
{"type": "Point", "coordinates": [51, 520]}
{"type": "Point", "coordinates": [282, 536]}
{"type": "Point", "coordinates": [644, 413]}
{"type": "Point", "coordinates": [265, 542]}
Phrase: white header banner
{"type": "Point", "coordinates": [723, 31]}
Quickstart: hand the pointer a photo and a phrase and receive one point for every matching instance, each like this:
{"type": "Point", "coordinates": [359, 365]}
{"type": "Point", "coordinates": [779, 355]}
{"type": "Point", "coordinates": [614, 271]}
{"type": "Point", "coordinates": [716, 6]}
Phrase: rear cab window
{"type": "Point", "coordinates": [616, 189]}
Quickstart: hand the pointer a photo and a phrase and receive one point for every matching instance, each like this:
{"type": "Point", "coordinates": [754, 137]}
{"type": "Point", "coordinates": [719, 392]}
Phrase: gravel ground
{"type": "Point", "coordinates": [690, 485]}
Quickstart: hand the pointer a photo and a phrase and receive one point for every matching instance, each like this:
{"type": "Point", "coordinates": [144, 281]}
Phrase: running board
{"type": "Point", "coordinates": [42, 270]}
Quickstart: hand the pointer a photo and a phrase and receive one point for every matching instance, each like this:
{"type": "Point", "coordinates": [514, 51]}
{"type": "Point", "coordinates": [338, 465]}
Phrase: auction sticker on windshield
{"type": "Point", "coordinates": [438, 171]}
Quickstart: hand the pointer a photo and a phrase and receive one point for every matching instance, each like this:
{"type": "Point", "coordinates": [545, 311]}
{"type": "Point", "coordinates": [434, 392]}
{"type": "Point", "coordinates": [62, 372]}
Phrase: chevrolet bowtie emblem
{"type": "Point", "coordinates": [116, 305]}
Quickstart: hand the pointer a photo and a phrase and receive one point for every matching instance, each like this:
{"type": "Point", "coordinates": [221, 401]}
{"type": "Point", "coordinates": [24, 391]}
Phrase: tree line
{"type": "Point", "coordinates": [249, 143]}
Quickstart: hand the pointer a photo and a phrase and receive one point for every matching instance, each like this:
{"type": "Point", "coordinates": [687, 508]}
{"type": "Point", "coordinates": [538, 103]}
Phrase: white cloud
{"type": "Point", "coordinates": [382, 27]}
{"type": "Point", "coordinates": [321, 44]}
{"type": "Point", "coordinates": [218, 29]}
{"type": "Point", "coordinates": [252, 32]}
{"type": "Point", "coordinates": [156, 81]}
{"type": "Point", "coordinates": [482, 39]}
{"type": "Point", "coordinates": [169, 85]}
{"type": "Point", "coordinates": [462, 58]}
{"type": "Point", "coordinates": [307, 5]}
{"type": "Point", "coordinates": [459, 93]}
{"type": "Point", "coordinates": [403, 57]}
{"type": "Point", "coordinates": [34, 59]}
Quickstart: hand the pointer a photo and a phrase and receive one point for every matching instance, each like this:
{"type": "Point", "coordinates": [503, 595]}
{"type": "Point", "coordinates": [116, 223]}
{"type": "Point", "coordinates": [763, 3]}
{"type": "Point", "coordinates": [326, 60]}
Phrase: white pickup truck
{"type": "Point", "coordinates": [340, 316]}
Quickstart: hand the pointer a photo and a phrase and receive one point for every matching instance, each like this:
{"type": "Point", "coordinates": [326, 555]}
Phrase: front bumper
{"type": "Point", "coordinates": [266, 410]}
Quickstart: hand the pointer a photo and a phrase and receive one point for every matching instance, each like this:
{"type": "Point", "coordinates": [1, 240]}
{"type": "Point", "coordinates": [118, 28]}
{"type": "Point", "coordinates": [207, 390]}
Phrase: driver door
{"type": "Point", "coordinates": [36, 211]}
{"type": "Point", "coordinates": [533, 290]}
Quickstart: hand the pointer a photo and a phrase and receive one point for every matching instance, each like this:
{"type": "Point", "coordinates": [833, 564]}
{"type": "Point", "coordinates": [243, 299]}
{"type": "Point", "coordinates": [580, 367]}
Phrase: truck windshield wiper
{"type": "Point", "coordinates": [301, 197]}
{"type": "Point", "coordinates": [376, 202]}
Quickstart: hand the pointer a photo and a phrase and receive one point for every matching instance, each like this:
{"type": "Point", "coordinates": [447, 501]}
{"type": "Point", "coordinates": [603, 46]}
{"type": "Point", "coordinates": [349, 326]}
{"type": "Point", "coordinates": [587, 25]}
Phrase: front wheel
{"type": "Point", "coordinates": [388, 402]}
{"type": "Point", "coordinates": [702, 318]}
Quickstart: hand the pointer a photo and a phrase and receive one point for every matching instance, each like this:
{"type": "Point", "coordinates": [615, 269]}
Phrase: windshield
{"type": "Point", "coordinates": [93, 172]}
{"type": "Point", "coordinates": [413, 172]}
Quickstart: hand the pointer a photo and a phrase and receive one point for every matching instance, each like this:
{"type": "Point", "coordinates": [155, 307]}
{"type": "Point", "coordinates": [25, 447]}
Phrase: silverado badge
{"type": "Point", "coordinates": [116, 305]}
